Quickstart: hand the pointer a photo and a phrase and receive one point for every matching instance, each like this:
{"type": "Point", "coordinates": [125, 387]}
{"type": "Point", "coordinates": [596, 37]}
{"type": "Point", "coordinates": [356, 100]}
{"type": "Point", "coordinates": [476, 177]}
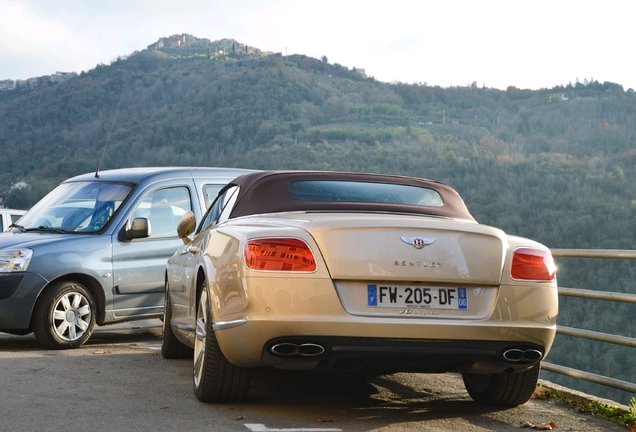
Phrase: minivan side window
{"type": "Point", "coordinates": [163, 208]}
{"type": "Point", "coordinates": [220, 209]}
{"type": "Point", "coordinates": [210, 191]}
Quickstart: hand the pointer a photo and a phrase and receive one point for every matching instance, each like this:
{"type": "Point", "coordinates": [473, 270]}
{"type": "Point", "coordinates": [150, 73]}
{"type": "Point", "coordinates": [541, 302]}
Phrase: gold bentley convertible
{"type": "Point", "coordinates": [366, 273]}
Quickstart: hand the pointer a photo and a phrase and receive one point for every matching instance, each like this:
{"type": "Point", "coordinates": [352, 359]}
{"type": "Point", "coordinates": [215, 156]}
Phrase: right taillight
{"type": "Point", "coordinates": [532, 264]}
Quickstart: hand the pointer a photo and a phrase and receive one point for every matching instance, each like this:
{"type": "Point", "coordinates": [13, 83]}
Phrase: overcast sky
{"type": "Point", "coordinates": [527, 44]}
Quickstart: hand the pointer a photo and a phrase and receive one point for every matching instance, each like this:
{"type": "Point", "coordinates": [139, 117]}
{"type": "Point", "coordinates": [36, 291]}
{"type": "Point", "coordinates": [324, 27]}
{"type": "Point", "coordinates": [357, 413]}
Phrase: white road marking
{"type": "Point", "coordinates": [258, 427]}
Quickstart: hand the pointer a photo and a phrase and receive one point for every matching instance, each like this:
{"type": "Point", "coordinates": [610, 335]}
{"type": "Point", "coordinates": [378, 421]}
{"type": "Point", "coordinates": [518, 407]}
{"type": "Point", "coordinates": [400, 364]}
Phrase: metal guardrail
{"type": "Point", "coordinates": [594, 253]}
{"type": "Point", "coordinates": [592, 335]}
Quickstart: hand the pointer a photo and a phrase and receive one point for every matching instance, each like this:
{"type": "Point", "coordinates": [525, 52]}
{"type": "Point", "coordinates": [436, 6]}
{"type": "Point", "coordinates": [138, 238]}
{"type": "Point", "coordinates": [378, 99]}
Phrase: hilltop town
{"type": "Point", "coordinates": [190, 45]}
{"type": "Point", "coordinates": [188, 42]}
{"type": "Point", "coordinates": [31, 83]}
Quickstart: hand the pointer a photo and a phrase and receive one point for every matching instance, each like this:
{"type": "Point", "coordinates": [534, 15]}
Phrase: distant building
{"type": "Point", "coordinates": [6, 85]}
{"type": "Point", "coordinates": [558, 97]}
{"type": "Point", "coordinates": [60, 77]}
{"type": "Point", "coordinates": [31, 83]}
{"type": "Point", "coordinates": [21, 185]}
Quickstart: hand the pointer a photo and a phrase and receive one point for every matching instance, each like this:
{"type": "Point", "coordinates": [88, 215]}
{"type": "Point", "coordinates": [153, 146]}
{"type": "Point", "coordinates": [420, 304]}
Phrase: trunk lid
{"type": "Point", "coordinates": [407, 248]}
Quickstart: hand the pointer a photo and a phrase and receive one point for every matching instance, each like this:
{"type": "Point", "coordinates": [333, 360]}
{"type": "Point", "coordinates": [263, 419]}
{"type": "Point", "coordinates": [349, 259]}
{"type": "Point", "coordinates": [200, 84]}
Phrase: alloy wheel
{"type": "Point", "coordinates": [71, 316]}
{"type": "Point", "coordinates": [201, 332]}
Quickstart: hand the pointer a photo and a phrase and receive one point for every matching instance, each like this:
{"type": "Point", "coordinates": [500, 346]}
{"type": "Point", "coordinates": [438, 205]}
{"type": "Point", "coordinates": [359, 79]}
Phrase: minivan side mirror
{"type": "Point", "coordinates": [187, 225]}
{"type": "Point", "coordinates": [138, 228]}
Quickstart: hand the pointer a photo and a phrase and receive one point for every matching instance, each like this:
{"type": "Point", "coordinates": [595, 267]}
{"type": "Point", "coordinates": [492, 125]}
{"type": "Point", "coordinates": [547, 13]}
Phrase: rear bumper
{"type": "Point", "coordinates": [384, 347]}
{"type": "Point", "coordinates": [384, 356]}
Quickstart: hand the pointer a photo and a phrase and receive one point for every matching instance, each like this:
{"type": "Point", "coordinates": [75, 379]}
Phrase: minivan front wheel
{"type": "Point", "coordinates": [64, 316]}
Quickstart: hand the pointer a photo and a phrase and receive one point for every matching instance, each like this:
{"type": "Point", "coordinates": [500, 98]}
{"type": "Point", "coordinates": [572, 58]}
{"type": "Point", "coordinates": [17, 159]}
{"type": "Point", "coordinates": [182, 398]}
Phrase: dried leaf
{"type": "Point", "coordinates": [540, 393]}
{"type": "Point", "coordinates": [539, 426]}
{"type": "Point", "coordinates": [323, 420]}
{"type": "Point", "coordinates": [239, 418]}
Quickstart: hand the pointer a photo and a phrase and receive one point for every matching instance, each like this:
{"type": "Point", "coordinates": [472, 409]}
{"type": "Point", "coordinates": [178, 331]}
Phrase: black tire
{"type": "Point", "coordinates": [64, 316]}
{"type": "Point", "coordinates": [171, 347]}
{"type": "Point", "coordinates": [502, 389]}
{"type": "Point", "coordinates": [215, 378]}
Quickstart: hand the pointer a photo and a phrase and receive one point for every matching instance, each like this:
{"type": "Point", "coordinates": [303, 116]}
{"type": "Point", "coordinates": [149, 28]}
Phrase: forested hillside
{"type": "Point", "coordinates": [556, 165]}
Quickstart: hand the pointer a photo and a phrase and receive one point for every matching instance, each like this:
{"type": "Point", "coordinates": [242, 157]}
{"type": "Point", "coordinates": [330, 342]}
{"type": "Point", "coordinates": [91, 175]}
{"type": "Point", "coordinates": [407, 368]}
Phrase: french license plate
{"type": "Point", "coordinates": [416, 297]}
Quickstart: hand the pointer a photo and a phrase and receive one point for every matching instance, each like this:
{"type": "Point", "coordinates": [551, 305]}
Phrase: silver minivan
{"type": "Point", "coordinates": [94, 250]}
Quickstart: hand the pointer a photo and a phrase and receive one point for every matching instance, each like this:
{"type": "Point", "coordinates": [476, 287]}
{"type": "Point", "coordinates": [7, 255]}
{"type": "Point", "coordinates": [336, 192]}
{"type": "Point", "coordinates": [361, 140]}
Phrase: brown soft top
{"type": "Point", "coordinates": [269, 192]}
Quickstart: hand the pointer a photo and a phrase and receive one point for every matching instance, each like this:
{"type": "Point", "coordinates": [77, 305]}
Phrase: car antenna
{"type": "Point", "coordinates": [108, 138]}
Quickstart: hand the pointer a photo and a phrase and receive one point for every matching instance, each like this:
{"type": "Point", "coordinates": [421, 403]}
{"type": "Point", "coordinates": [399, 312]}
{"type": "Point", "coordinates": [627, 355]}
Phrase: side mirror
{"type": "Point", "coordinates": [187, 225]}
{"type": "Point", "coordinates": [139, 228]}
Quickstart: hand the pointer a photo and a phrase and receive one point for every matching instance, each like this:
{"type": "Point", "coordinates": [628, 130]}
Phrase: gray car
{"type": "Point", "coordinates": [94, 250]}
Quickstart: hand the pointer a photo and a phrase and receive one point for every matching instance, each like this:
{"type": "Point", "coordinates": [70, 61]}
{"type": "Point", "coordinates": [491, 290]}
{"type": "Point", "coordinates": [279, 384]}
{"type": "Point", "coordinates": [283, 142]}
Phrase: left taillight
{"type": "Point", "coordinates": [279, 254]}
{"type": "Point", "coordinates": [532, 264]}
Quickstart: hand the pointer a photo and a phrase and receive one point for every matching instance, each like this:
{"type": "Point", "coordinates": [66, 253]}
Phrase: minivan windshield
{"type": "Point", "coordinates": [76, 207]}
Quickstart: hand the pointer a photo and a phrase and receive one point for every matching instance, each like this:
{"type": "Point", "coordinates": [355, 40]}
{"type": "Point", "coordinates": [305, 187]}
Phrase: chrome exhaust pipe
{"type": "Point", "coordinates": [288, 349]}
{"type": "Point", "coordinates": [532, 355]}
{"type": "Point", "coordinates": [285, 349]}
{"type": "Point", "coordinates": [513, 355]}
{"type": "Point", "coordinates": [310, 350]}
{"type": "Point", "coordinates": [519, 355]}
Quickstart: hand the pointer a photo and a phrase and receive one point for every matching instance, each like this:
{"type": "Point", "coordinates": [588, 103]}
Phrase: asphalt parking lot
{"type": "Point", "coordinates": [120, 382]}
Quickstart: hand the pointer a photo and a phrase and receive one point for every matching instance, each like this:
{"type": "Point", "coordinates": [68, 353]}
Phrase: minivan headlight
{"type": "Point", "coordinates": [15, 260]}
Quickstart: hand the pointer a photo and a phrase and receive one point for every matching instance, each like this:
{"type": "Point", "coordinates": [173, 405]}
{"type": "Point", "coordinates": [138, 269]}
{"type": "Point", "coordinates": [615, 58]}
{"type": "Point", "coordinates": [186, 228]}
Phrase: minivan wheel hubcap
{"type": "Point", "coordinates": [71, 316]}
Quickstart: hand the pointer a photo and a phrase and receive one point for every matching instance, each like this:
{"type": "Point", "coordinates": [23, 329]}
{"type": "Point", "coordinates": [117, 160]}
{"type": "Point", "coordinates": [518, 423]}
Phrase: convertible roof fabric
{"type": "Point", "coordinates": [269, 192]}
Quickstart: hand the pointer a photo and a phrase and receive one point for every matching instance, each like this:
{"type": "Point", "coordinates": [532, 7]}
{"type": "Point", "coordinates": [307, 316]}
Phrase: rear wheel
{"type": "Point", "coordinates": [502, 389]}
{"type": "Point", "coordinates": [64, 316]}
{"type": "Point", "coordinates": [215, 378]}
{"type": "Point", "coordinates": [171, 347]}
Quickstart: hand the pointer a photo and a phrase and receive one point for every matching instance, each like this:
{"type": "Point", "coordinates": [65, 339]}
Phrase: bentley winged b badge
{"type": "Point", "coordinates": [418, 242]}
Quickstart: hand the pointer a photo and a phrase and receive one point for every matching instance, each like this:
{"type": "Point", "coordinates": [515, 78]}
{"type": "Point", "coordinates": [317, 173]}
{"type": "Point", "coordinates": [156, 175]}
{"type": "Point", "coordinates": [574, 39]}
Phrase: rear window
{"type": "Point", "coordinates": [328, 190]}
